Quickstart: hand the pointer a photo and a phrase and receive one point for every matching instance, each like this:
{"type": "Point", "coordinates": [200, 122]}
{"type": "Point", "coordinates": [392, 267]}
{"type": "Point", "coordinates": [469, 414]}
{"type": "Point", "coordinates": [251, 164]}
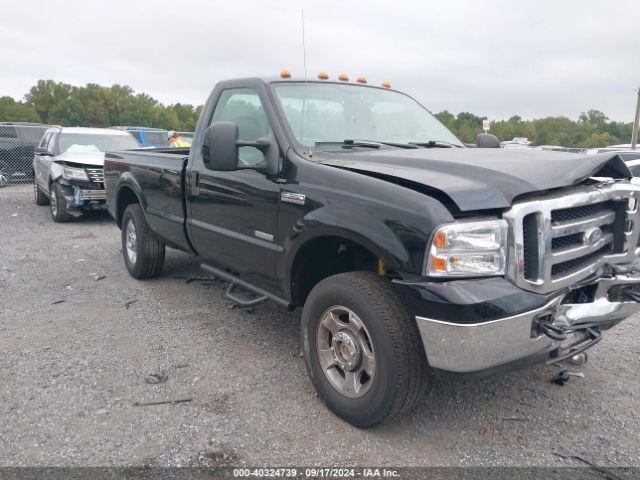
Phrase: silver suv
{"type": "Point", "coordinates": [68, 166]}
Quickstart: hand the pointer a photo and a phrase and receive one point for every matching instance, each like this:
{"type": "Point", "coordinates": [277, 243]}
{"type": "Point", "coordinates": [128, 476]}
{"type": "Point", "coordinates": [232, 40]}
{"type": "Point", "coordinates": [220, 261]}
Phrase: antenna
{"type": "Point", "coordinates": [304, 47]}
{"type": "Point", "coordinates": [304, 63]}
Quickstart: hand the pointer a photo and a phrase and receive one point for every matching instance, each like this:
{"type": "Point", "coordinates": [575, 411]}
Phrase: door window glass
{"type": "Point", "coordinates": [45, 139]}
{"type": "Point", "coordinates": [52, 142]}
{"type": "Point", "coordinates": [242, 106]}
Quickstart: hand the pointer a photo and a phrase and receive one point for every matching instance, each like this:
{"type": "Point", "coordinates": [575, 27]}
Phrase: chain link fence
{"type": "Point", "coordinates": [17, 142]}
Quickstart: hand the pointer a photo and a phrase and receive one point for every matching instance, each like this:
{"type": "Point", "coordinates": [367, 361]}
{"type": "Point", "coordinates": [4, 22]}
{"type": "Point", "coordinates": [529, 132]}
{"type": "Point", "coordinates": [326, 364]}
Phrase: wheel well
{"type": "Point", "coordinates": [126, 197]}
{"type": "Point", "coordinates": [326, 256]}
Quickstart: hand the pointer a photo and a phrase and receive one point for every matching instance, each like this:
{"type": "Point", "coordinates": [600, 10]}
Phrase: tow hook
{"type": "Point", "coordinates": [585, 335]}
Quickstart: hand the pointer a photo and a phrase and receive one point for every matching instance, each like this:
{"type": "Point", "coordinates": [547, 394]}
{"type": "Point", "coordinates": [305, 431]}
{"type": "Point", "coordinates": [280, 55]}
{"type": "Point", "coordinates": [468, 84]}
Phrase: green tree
{"type": "Point", "coordinates": [12, 111]}
{"type": "Point", "coordinates": [47, 95]}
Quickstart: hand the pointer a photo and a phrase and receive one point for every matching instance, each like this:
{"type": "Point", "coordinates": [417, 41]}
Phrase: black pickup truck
{"type": "Point", "coordinates": [410, 253]}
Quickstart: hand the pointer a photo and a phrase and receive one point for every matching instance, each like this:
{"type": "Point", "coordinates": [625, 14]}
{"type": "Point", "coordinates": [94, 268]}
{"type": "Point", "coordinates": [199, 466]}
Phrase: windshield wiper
{"type": "Point", "coordinates": [349, 143]}
{"type": "Point", "coordinates": [390, 144]}
{"type": "Point", "coordinates": [435, 143]}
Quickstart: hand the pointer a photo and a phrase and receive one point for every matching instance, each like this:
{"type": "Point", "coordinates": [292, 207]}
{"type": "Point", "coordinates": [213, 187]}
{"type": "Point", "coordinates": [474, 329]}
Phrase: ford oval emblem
{"type": "Point", "coordinates": [592, 236]}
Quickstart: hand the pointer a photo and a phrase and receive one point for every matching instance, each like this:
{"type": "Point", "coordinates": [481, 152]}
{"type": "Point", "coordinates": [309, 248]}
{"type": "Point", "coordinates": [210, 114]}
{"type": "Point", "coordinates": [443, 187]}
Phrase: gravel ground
{"type": "Point", "coordinates": [72, 371]}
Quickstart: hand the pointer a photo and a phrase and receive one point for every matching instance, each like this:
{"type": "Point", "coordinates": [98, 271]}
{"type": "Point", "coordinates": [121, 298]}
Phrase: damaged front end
{"type": "Point", "coordinates": [573, 272]}
{"type": "Point", "coordinates": [82, 186]}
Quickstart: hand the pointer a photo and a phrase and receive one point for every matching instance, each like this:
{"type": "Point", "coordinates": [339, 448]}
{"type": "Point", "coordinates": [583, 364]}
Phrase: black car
{"type": "Point", "coordinates": [17, 143]}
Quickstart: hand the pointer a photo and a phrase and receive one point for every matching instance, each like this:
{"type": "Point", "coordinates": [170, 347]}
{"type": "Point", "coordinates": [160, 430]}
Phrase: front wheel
{"type": "Point", "coordinates": [143, 252]}
{"type": "Point", "coordinates": [362, 349]}
{"type": "Point", "coordinates": [58, 204]}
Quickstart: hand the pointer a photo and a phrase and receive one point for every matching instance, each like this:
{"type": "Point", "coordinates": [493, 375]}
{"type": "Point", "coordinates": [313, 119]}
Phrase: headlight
{"type": "Point", "coordinates": [468, 249]}
{"type": "Point", "coordinates": [70, 173]}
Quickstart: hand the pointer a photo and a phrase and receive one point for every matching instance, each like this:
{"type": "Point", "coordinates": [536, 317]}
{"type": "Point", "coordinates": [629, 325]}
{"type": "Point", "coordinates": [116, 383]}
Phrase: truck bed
{"type": "Point", "coordinates": [158, 178]}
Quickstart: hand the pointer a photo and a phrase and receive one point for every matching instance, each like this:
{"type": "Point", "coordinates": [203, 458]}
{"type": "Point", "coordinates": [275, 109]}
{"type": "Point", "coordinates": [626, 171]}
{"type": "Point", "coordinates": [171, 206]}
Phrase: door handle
{"type": "Point", "coordinates": [195, 184]}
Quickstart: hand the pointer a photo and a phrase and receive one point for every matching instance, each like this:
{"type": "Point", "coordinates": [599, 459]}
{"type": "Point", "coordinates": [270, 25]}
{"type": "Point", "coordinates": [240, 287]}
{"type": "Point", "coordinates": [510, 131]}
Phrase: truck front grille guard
{"type": "Point", "coordinates": [559, 239]}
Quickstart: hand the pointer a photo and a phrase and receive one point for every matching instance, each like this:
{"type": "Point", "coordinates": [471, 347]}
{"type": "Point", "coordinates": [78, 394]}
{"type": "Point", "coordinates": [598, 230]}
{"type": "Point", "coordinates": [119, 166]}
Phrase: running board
{"type": "Point", "coordinates": [262, 295]}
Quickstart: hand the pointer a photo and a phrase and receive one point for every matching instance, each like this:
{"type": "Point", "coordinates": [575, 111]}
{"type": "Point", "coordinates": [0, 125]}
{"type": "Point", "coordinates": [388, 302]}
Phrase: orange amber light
{"type": "Point", "coordinates": [285, 74]}
{"type": "Point", "coordinates": [386, 84]}
{"type": "Point", "coordinates": [343, 77]}
{"type": "Point", "coordinates": [361, 79]}
{"type": "Point", "coordinates": [439, 264]}
{"type": "Point", "coordinates": [323, 76]}
{"type": "Point", "coordinates": [440, 239]}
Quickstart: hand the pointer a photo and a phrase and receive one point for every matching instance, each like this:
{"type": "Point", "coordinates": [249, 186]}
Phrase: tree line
{"type": "Point", "coordinates": [94, 105]}
{"type": "Point", "coordinates": [592, 129]}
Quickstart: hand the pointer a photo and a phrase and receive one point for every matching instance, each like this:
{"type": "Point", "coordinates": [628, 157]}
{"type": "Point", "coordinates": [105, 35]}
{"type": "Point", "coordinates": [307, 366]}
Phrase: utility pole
{"type": "Point", "coordinates": [634, 135]}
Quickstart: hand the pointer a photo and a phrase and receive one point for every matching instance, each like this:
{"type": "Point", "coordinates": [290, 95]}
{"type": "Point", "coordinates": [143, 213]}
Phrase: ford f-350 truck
{"type": "Point", "coordinates": [409, 253]}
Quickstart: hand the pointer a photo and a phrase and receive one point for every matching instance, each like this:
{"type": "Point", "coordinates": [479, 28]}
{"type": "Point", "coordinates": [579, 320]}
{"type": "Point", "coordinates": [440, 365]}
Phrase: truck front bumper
{"type": "Point", "coordinates": [518, 339]}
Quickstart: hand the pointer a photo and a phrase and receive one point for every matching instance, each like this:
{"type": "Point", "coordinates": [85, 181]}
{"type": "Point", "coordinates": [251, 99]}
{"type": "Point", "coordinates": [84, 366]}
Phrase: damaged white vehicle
{"type": "Point", "coordinates": [68, 168]}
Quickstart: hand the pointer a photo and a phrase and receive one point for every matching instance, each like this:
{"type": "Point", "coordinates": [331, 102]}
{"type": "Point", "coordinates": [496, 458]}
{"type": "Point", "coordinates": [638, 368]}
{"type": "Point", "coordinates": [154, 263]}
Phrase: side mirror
{"type": "Point", "coordinates": [487, 140]}
{"type": "Point", "coordinates": [42, 151]}
{"type": "Point", "coordinates": [219, 148]}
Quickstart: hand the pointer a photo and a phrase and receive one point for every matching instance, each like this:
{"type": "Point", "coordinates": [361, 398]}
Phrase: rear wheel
{"type": "Point", "coordinates": [40, 197]}
{"type": "Point", "coordinates": [58, 204]}
{"type": "Point", "coordinates": [362, 349]}
{"type": "Point", "coordinates": [143, 252]}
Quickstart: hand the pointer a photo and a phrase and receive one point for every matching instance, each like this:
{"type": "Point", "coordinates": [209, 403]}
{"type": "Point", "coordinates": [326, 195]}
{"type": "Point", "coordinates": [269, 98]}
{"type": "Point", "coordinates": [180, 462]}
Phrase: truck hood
{"type": "Point", "coordinates": [479, 178]}
{"type": "Point", "coordinates": [82, 158]}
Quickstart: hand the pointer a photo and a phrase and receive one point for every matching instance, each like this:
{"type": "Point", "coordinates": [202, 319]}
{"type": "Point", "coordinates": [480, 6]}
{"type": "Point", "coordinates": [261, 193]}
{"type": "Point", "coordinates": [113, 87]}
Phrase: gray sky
{"type": "Point", "coordinates": [495, 58]}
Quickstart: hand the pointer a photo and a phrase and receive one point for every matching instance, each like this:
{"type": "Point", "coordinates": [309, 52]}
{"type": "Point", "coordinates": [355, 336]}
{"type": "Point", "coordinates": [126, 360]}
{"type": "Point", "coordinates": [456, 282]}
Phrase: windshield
{"type": "Point", "coordinates": [325, 112]}
{"type": "Point", "coordinates": [86, 142]}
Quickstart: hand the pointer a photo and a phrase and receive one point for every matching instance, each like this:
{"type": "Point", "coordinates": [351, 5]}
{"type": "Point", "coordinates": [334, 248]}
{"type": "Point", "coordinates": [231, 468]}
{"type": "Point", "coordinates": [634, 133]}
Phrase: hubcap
{"type": "Point", "coordinates": [130, 238]}
{"type": "Point", "coordinates": [345, 352]}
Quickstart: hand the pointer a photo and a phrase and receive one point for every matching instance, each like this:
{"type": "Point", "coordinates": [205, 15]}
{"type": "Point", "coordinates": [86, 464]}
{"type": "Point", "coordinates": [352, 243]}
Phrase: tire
{"type": "Point", "coordinates": [40, 197]}
{"type": "Point", "coordinates": [142, 251]}
{"type": "Point", "coordinates": [385, 330]}
{"type": "Point", "coordinates": [58, 204]}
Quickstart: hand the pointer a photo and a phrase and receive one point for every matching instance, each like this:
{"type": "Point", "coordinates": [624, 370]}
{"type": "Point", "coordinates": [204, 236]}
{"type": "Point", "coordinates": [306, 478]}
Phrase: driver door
{"type": "Point", "coordinates": [233, 214]}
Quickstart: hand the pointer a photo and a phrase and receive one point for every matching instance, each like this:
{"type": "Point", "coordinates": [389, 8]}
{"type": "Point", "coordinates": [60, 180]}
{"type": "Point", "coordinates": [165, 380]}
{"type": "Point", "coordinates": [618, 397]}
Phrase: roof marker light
{"type": "Point", "coordinates": [361, 79]}
{"type": "Point", "coordinates": [285, 74]}
{"type": "Point", "coordinates": [343, 77]}
{"type": "Point", "coordinates": [323, 76]}
{"type": "Point", "coordinates": [386, 84]}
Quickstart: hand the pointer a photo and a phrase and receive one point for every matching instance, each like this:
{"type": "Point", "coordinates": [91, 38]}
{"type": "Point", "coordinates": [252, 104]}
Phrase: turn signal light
{"type": "Point", "coordinates": [439, 264]}
{"type": "Point", "coordinates": [440, 239]}
{"type": "Point", "coordinates": [361, 79]}
{"type": "Point", "coordinates": [285, 74]}
{"type": "Point", "coordinates": [323, 76]}
{"type": "Point", "coordinates": [343, 77]}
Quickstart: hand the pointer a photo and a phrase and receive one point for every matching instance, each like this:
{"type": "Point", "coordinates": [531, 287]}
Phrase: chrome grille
{"type": "Point", "coordinates": [562, 238]}
{"type": "Point", "coordinates": [96, 175]}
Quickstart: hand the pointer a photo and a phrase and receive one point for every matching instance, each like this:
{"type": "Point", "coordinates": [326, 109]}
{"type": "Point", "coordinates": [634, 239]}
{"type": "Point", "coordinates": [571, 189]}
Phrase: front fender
{"type": "Point", "coordinates": [396, 236]}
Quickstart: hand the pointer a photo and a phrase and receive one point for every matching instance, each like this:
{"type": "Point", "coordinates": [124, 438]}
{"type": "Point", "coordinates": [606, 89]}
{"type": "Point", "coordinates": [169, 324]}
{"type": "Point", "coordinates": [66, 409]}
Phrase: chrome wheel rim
{"type": "Point", "coordinates": [130, 240]}
{"type": "Point", "coordinates": [54, 203]}
{"type": "Point", "coordinates": [345, 352]}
